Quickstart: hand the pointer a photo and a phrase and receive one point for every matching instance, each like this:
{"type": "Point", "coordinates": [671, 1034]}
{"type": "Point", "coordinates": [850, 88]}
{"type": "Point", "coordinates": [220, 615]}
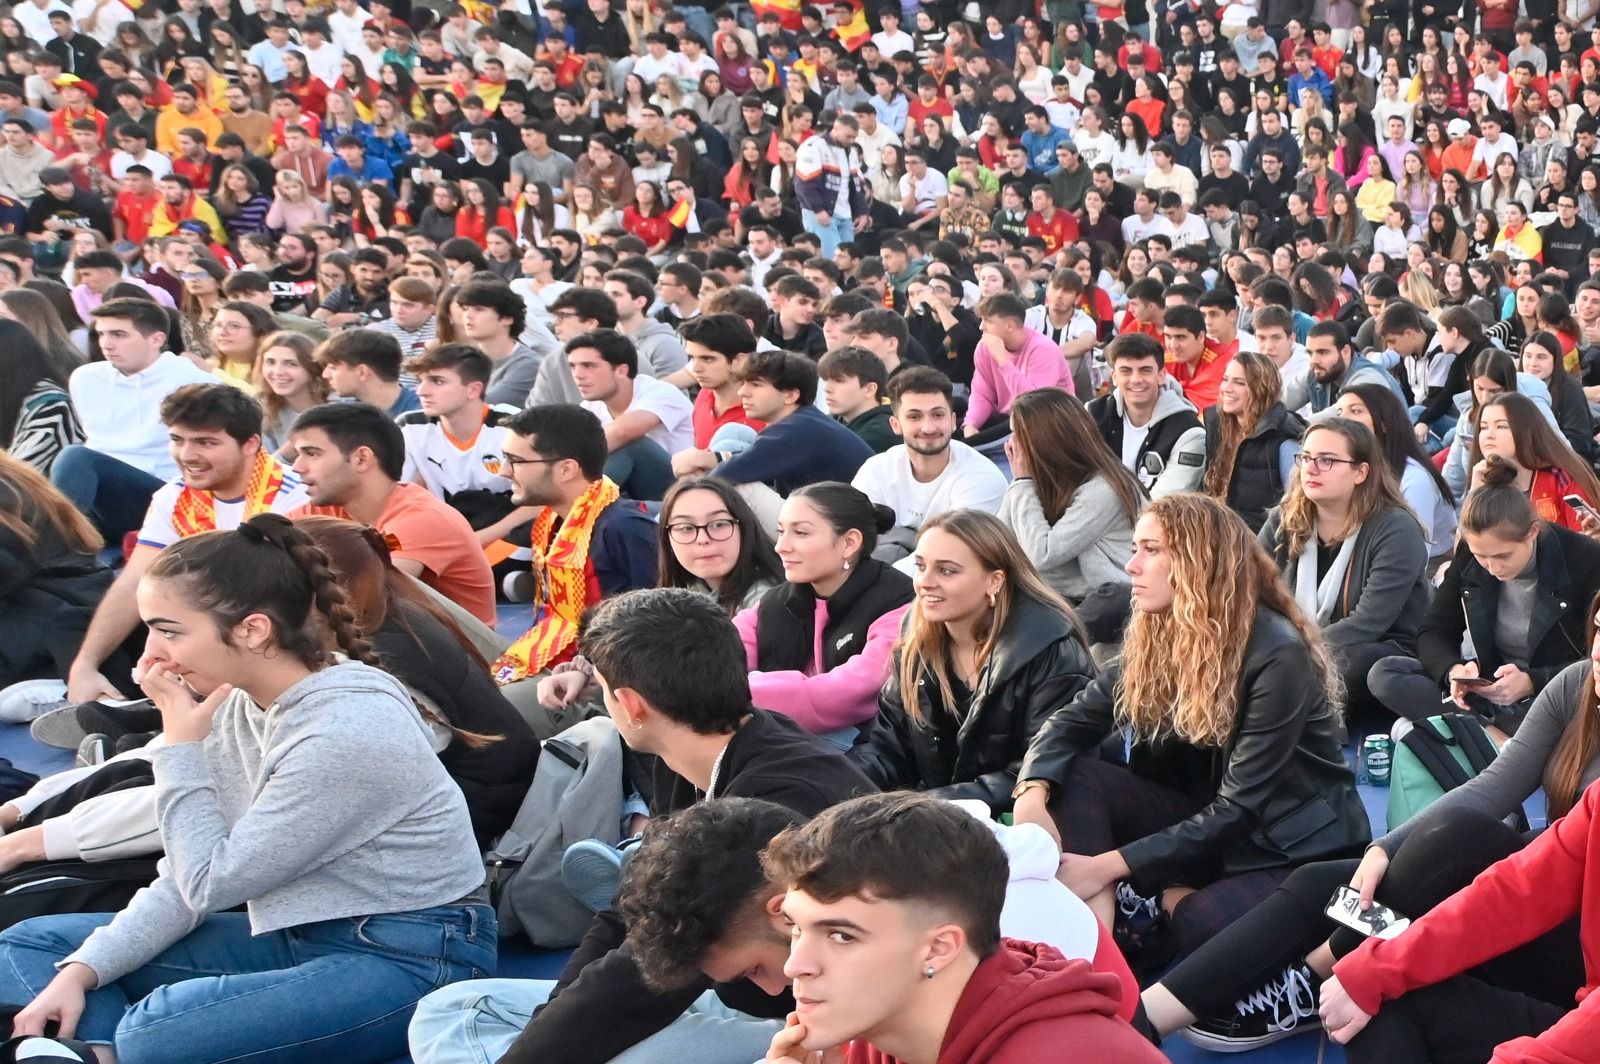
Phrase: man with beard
{"type": "Point", "coordinates": [931, 471]}
{"type": "Point", "coordinates": [294, 279]}
{"type": "Point", "coordinates": [351, 457]}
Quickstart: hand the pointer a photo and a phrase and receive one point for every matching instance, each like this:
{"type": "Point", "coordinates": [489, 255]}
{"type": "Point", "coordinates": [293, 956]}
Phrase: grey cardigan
{"type": "Point", "coordinates": [1520, 769]}
{"type": "Point", "coordinates": [1386, 591]}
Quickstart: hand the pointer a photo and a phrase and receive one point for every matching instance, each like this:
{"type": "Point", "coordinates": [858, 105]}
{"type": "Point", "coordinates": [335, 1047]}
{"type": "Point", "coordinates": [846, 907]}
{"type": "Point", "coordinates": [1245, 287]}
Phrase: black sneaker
{"type": "Point", "coordinates": [1284, 1006]}
{"type": "Point", "coordinates": [1142, 931]}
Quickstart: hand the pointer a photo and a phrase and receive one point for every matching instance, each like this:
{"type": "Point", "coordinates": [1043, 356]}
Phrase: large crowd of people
{"type": "Point", "coordinates": [875, 524]}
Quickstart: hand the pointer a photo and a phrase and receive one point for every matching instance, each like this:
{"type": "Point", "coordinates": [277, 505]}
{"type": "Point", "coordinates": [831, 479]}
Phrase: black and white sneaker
{"type": "Point", "coordinates": [1284, 1006]}
{"type": "Point", "coordinates": [1142, 931]}
{"type": "Point", "coordinates": [36, 1050]}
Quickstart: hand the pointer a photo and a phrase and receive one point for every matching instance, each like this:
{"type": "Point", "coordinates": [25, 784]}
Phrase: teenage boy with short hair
{"type": "Point", "coordinates": [800, 444]}
{"type": "Point", "coordinates": [646, 421]}
{"type": "Point", "coordinates": [717, 345]}
{"type": "Point", "coordinates": [1009, 360]}
{"type": "Point", "coordinates": [853, 383]}
{"type": "Point", "coordinates": [364, 365]}
{"type": "Point", "coordinates": [660, 352]}
{"type": "Point", "coordinates": [492, 319]}
{"type": "Point", "coordinates": [1145, 414]}
{"type": "Point", "coordinates": [1193, 361]}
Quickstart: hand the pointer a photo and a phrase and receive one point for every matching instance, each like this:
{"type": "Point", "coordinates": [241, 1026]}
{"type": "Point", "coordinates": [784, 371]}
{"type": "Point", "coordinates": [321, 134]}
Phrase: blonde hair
{"type": "Point", "coordinates": [924, 646]}
{"type": "Point", "coordinates": [1181, 668]}
{"type": "Point", "coordinates": [1417, 288]}
{"type": "Point", "coordinates": [1380, 489]}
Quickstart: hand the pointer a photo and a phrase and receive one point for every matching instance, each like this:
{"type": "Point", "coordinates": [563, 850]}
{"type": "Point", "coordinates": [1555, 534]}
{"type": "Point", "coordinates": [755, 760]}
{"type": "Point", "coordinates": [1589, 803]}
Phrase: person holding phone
{"type": "Point", "coordinates": [1520, 591]}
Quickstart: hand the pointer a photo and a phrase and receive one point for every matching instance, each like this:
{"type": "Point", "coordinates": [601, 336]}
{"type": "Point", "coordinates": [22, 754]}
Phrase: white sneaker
{"type": "Point", "coordinates": [21, 702]}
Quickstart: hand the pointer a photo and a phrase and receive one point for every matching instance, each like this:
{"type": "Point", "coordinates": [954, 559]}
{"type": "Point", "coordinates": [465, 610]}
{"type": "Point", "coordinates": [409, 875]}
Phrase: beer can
{"type": "Point", "coordinates": [1377, 753]}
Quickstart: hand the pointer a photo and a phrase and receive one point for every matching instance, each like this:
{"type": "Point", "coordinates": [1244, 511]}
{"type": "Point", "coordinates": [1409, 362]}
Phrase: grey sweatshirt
{"type": "Point", "coordinates": [330, 803]}
{"type": "Point", "coordinates": [1087, 547]}
{"type": "Point", "coordinates": [1520, 769]}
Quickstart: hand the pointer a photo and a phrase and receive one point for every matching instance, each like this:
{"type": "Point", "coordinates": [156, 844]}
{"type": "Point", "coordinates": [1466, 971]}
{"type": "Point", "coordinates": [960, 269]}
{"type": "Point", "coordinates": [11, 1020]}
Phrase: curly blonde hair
{"type": "Point", "coordinates": [1181, 668]}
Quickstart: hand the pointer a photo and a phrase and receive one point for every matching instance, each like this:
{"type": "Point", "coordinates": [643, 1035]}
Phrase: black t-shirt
{"type": "Point", "coordinates": [1235, 186]}
{"type": "Point", "coordinates": [80, 211]}
{"type": "Point", "coordinates": [787, 223]}
{"type": "Point", "coordinates": [291, 291]}
{"type": "Point", "coordinates": [497, 171]}
{"type": "Point", "coordinates": [423, 174]}
{"type": "Point", "coordinates": [346, 300]}
{"type": "Point", "coordinates": [570, 138]}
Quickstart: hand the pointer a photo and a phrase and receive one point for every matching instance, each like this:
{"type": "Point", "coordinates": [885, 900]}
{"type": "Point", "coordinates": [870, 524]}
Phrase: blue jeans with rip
{"type": "Point", "coordinates": [340, 989]}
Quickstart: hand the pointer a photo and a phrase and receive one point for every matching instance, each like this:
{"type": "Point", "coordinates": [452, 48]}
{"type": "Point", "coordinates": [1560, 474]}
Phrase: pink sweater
{"type": "Point", "coordinates": [824, 701]}
{"type": "Point", "coordinates": [1039, 364]}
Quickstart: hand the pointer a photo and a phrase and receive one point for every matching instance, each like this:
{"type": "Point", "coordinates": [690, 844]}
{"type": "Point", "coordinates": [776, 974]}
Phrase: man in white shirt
{"type": "Point", "coordinates": [345, 21]}
{"type": "Point", "coordinates": [1144, 222]}
{"type": "Point", "coordinates": [766, 249]}
{"type": "Point", "coordinates": [646, 421]}
{"type": "Point", "coordinates": [519, 66]}
{"type": "Point", "coordinates": [124, 456]}
{"type": "Point", "coordinates": [323, 56]}
{"type": "Point", "coordinates": [1078, 76]}
{"type": "Point", "coordinates": [1166, 175]}
{"type": "Point", "coordinates": [924, 192]}
{"type": "Point", "coordinates": [1493, 83]}
{"type": "Point", "coordinates": [892, 40]}
{"type": "Point", "coordinates": [871, 137]}
{"type": "Point", "coordinates": [1188, 230]}
{"type": "Point", "coordinates": [1062, 320]}
{"type": "Point", "coordinates": [658, 59]}
{"type": "Point", "coordinates": [99, 18]}
{"type": "Point", "coordinates": [34, 18]}
{"type": "Point", "coordinates": [1095, 145]}
{"type": "Point", "coordinates": [214, 440]}
{"type": "Point", "coordinates": [1492, 141]}
{"type": "Point", "coordinates": [930, 472]}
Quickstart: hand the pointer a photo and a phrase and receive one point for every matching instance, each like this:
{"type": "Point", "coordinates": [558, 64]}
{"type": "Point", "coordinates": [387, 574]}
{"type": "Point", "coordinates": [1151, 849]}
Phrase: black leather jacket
{"type": "Point", "coordinates": [1278, 793]}
{"type": "Point", "coordinates": [1038, 664]}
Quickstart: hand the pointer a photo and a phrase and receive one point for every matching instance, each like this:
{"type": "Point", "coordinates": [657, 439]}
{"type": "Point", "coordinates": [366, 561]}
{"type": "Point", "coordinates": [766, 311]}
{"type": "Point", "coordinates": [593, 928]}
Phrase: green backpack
{"type": "Point", "coordinates": [1437, 755]}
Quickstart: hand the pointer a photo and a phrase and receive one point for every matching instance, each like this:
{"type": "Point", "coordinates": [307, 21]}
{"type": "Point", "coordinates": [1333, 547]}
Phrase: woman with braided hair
{"type": "Point", "coordinates": [293, 778]}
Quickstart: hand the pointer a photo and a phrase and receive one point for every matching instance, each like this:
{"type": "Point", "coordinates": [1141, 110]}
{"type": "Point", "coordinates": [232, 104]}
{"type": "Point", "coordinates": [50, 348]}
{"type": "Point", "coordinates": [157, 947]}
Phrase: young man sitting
{"type": "Point", "coordinates": [364, 365]}
{"type": "Point", "coordinates": [893, 908]}
{"type": "Point", "coordinates": [225, 476]}
{"type": "Point", "coordinates": [1009, 360]}
{"type": "Point", "coordinates": [930, 472]}
{"type": "Point", "coordinates": [352, 458]}
{"type": "Point", "coordinates": [673, 673]}
{"type": "Point", "coordinates": [853, 380]}
{"type": "Point", "coordinates": [492, 319]}
{"type": "Point", "coordinates": [646, 421]}
{"type": "Point", "coordinates": [717, 345]}
{"type": "Point", "coordinates": [455, 442]}
{"type": "Point", "coordinates": [1147, 421]}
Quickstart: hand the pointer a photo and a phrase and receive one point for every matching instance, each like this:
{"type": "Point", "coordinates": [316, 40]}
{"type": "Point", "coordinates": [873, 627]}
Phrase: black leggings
{"type": "Point", "coordinates": [1434, 863]}
{"type": "Point", "coordinates": [1102, 806]}
{"type": "Point", "coordinates": [1458, 1021]}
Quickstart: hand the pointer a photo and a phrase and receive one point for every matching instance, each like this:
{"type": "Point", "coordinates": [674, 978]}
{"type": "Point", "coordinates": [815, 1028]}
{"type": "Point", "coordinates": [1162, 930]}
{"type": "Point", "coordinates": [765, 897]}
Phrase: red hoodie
{"type": "Point", "coordinates": [1512, 903]}
{"type": "Point", "coordinates": [1026, 1004]}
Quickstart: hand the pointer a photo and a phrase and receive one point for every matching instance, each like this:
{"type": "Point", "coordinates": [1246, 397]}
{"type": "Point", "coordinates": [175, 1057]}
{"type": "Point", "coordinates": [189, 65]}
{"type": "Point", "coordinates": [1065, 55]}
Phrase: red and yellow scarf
{"type": "Point", "coordinates": [196, 509]}
{"type": "Point", "coordinates": [561, 564]}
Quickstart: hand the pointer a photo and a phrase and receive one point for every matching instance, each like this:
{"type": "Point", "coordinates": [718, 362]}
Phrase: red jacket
{"type": "Point", "coordinates": [1513, 903]}
{"type": "Point", "coordinates": [1028, 1004]}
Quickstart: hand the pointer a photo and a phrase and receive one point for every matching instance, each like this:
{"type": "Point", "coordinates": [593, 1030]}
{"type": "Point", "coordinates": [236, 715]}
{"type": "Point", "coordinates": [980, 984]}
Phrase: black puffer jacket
{"type": "Point", "coordinates": [1038, 665]}
{"type": "Point", "coordinates": [1257, 483]}
{"type": "Point", "coordinates": [1278, 792]}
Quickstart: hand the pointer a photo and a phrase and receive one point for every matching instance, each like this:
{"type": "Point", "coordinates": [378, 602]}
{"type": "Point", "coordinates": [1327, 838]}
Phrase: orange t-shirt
{"type": "Point", "coordinates": [438, 538]}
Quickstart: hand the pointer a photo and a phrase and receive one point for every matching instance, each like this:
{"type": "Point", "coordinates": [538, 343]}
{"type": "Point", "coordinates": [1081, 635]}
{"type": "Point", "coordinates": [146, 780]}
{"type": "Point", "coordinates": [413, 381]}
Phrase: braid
{"type": "Point", "coordinates": [331, 600]}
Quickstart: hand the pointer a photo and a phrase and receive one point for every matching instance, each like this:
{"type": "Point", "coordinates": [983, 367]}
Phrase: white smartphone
{"type": "Point", "coordinates": [1379, 921]}
{"type": "Point", "coordinates": [1578, 503]}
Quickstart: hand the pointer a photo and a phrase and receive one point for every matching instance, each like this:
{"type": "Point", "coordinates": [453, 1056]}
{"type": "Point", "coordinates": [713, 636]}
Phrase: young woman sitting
{"type": "Point", "coordinates": [1251, 439]}
{"type": "Point", "coordinates": [1492, 373]}
{"type": "Point", "coordinates": [819, 645]}
{"type": "Point", "coordinates": [1072, 503]}
{"type": "Point", "coordinates": [710, 541]}
{"type": "Point", "coordinates": [1421, 484]}
{"type": "Point", "coordinates": [1512, 427]}
{"type": "Point", "coordinates": [1542, 360]}
{"type": "Point", "coordinates": [989, 652]}
{"type": "Point", "coordinates": [1348, 547]}
{"type": "Point", "coordinates": [1257, 981]}
{"type": "Point", "coordinates": [298, 784]}
{"type": "Point", "coordinates": [51, 580]}
{"type": "Point", "coordinates": [1520, 590]}
{"type": "Point", "coordinates": [1235, 774]}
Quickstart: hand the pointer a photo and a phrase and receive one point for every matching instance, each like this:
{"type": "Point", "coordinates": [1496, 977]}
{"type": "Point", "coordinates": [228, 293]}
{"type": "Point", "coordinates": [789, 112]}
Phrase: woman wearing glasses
{"type": "Point", "coordinates": [1348, 547]}
{"type": "Point", "coordinates": [988, 652]}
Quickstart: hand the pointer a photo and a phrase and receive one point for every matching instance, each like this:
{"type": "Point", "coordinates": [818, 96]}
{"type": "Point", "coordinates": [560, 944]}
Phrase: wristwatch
{"type": "Point", "coordinates": [1027, 785]}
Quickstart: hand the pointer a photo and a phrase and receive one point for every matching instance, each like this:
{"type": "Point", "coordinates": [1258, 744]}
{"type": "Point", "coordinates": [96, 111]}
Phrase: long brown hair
{"type": "Point", "coordinates": [1538, 445]}
{"type": "Point", "coordinates": [272, 403]}
{"type": "Point", "coordinates": [1057, 438]}
{"type": "Point", "coordinates": [1181, 668]}
{"type": "Point", "coordinates": [1264, 386]}
{"type": "Point", "coordinates": [29, 503]}
{"type": "Point", "coordinates": [1579, 744]}
{"type": "Point", "coordinates": [924, 646]}
{"type": "Point", "coordinates": [1380, 489]}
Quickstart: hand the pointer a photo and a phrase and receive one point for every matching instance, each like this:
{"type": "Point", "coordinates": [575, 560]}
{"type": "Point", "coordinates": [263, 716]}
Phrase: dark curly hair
{"type": "Point", "coordinates": [695, 878]}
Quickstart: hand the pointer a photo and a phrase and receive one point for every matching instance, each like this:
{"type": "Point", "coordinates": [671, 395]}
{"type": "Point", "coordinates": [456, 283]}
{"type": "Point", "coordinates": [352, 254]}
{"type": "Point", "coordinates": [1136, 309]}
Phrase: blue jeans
{"type": "Point", "coordinates": [839, 230]}
{"type": "Point", "coordinates": [642, 469]}
{"type": "Point", "coordinates": [108, 491]}
{"type": "Point", "coordinates": [335, 990]}
{"type": "Point", "coordinates": [476, 1022]}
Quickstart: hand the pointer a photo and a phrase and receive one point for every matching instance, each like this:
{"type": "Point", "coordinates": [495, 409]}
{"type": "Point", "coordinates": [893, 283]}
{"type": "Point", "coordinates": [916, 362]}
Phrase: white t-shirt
{"type": "Point", "coordinates": [1135, 228]}
{"type": "Point", "coordinates": [160, 532]}
{"type": "Point", "coordinates": [1095, 150]}
{"type": "Point", "coordinates": [892, 44]}
{"type": "Point", "coordinates": [1132, 440]}
{"type": "Point", "coordinates": [160, 166]}
{"type": "Point", "coordinates": [1192, 233]}
{"type": "Point", "coordinates": [443, 464]}
{"type": "Point", "coordinates": [675, 428]}
{"type": "Point", "coordinates": [919, 196]}
{"type": "Point", "coordinates": [650, 68]}
{"type": "Point", "coordinates": [970, 480]}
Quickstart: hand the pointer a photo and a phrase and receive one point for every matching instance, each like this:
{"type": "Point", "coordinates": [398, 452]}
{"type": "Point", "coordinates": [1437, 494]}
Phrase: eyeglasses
{"type": "Point", "coordinates": [716, 531]}
{"type": "Point", "coordinates": [1321, 463]}
{"type": "Point", "coordinates": [506, 464]}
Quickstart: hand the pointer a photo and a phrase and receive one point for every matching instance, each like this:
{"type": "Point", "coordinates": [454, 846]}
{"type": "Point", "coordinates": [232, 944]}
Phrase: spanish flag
{"type": "Point", "coordinates": [788, 11]}
{"type": "Point", "coordinates": [679, 215]}
{"type": "Point", "coordinates": [854, 30]}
